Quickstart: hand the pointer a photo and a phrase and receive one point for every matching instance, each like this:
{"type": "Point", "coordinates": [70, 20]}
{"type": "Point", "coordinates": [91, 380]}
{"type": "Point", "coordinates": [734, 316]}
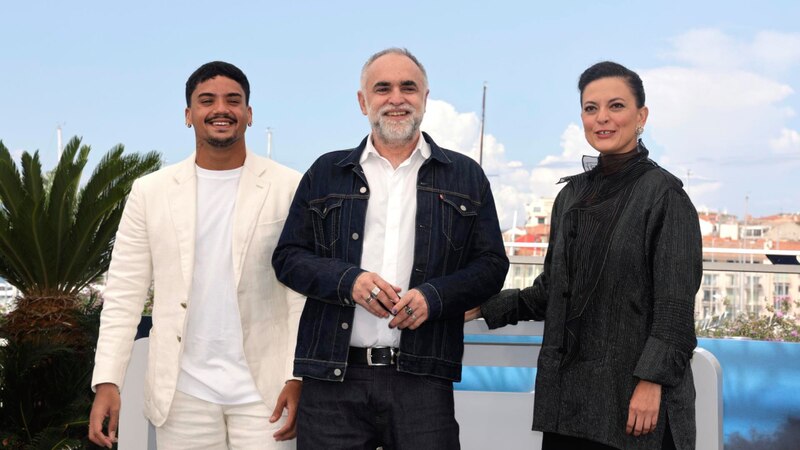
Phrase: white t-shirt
{"type": "Point", "coordinates": [213, 367]}
{"type": "Point", "coordinates": [388, 234]}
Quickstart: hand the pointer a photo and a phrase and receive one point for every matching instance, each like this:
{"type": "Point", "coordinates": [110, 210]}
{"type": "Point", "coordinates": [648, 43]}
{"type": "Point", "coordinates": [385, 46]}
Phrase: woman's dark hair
{"type": "Point", "coordinates": [607, 69]}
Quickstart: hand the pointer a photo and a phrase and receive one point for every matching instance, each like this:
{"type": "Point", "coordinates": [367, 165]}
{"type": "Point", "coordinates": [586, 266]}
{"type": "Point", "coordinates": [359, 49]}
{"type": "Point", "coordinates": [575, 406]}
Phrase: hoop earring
{"type": "Point", "coordinates": [188, 125]}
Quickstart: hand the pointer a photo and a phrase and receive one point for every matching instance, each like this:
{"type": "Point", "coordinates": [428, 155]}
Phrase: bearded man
{"type": "Point", "coordinates": [391, 242]}
{"type": "Point", "coordinates": [202, 232]}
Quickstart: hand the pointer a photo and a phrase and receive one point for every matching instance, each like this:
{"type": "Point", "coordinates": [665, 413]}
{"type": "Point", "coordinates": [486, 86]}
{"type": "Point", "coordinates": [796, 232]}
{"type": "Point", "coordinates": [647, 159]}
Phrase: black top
{"type": "Point", "coordinates": [623, 265]}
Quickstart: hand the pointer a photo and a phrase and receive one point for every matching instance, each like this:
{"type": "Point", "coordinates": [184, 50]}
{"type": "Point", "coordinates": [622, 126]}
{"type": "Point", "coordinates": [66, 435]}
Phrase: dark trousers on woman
{"type": "Point", "coordinates": [554, 441]}
{"type": "Point", "coordinates": [377, 407]}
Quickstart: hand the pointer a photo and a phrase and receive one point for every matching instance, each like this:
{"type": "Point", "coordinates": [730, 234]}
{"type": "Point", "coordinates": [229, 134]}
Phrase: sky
{"type": "Point", "coordinates": [721, 77]}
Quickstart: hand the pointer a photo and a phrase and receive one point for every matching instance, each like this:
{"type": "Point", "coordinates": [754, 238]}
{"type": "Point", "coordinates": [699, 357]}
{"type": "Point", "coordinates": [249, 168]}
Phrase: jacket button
{"type": "Point", "coordinates": [363, 190]}
{"type": "Point", "coordinates": [337, 372]}
{"type": "Point", "coordinates": [355, 236]}
{"type": "Point", "coordinates": [345, 325]}
{"type": "Point", "coordinates": [183, 305]}
{"type": "Point", "coordinates": [463, 208]}
{"type": "Point", "coordinates": [179, 338]}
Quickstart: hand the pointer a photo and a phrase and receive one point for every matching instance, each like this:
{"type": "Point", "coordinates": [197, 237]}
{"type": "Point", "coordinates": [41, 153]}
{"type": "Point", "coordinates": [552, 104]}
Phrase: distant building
{"type": "Point", "coordinates": [784, 231]}
{"type": "Point", "coordinates": [722, 293]}
{"type": "Point", "coordinates": [729, 231]}
{"type": "Point", "coordinates": [538, 211]}
{"type": "Point", "coordinates": [7, 295]}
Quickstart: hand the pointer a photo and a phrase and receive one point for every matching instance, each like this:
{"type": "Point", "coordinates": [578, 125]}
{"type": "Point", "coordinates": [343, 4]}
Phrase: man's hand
{"type": "Point", "coordinates": [472, 314]}
{"type": "Point", "coordinates": [375, 294]}
{"type": "Point", "coordinates": [289, 398]}
{"type": "Point", "coordinates": [106, 404]}
{"type": "Point", "coordinates": [411, 311]}
{"type": "Point", "coordinates": [643, 409]}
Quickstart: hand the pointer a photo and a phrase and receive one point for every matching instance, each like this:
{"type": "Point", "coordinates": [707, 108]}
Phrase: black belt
{"type": "Point", "coordinates": [373, 356]}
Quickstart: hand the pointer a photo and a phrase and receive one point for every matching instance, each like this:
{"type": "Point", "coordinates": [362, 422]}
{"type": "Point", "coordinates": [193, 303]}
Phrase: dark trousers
{"type": "Point", "coordinates": [377, 407]}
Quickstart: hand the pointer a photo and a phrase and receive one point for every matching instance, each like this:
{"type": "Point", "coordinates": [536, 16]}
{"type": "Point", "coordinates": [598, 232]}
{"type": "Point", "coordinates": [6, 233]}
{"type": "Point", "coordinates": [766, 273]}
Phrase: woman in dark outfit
{"type": "Point", "coordinates": [617, 291]}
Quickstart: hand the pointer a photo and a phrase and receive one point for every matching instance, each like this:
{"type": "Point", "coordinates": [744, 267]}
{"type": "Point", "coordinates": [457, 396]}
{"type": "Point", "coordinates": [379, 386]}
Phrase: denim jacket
{"type": "Point", "coordinates": [459, 259]}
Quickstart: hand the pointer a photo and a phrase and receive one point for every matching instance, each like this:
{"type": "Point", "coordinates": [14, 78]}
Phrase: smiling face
{"type": "Point", "coordinates": [393, 95]}
{"type": "Point", "coordinates": [219, 113]}
{"type": "Point", "coordinates": [610, 115]}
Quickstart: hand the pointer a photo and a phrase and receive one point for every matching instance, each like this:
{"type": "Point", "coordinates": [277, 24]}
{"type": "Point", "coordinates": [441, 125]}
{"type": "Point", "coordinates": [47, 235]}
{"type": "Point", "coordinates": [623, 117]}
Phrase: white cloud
{"type": "Point", "coordinates": [778, 51]}
{"type": "Point", "coordinates": [453, 130]}
{"type": "Point", "coordinates": [713, 48]}
{"type": "Point", "coordinates": [545, 175]}
{"type": "Point", "coordinates": [712, 113]}
{"type": "Point", "coordinates": [512, 183]}
{"type": "Point", "coordinates": [719, 119]}
{"type": "Point", "coordinates": [706, 48]}
{"type": "Point", "coordinates": [699, 189]}
{"type": "Point", "coordinates": [723, 114]}
{"type": "Point", "coordinates": [788, 142]}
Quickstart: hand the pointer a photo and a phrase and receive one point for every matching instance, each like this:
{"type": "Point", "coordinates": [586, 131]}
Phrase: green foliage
{"type": "Point", "coordinates": [44, 389]}
{"type": "Point", "coordinates": [56, 237]}
{"type": "Point", "coordinates": [779, 325]}
{"type": "Point", "coordinates": [57, 240]}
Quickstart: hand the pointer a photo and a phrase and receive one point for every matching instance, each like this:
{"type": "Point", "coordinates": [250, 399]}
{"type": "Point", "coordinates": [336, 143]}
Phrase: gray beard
{"type": "Point", "coordinates": [222, 143]}
{"type": "Point", "coordinates": [401, 134]}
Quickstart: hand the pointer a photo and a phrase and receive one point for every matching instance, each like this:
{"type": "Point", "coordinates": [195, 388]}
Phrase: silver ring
{"type": "Point", "coordinates": [414, 316]}
{"type": "Point", "coordinates": [408, 310]}
{"type": "Point", "coordinates": [374, 292]}
{"type": "Point", "coordinates": [368, 299]}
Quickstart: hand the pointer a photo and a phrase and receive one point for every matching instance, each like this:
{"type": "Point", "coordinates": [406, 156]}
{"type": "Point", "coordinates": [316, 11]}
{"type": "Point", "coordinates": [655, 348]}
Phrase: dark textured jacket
{"type": "Point", "coordinates": [459, 259]}
{"type": "Point", "coordinates": [617, 293]}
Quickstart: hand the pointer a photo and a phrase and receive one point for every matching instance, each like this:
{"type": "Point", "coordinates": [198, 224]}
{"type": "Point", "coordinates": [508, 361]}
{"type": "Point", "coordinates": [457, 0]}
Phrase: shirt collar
{"type": "Point", "coordinates": [422, 147]}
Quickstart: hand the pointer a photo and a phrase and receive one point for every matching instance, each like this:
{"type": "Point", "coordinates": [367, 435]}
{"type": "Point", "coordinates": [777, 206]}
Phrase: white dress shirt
{"type": "Point", "coordinates": [388, 234]}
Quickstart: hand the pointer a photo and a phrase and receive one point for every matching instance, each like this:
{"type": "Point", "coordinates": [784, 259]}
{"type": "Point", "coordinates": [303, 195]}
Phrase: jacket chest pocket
{"type": "Point", "coordinates": [326, 216]}
{"type": "Point", "coordinates": [458, 213]}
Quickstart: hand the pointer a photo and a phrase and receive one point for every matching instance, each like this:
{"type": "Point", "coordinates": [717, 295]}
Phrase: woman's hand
{"type": "Point", "coordinates": [643, 409]}
{"type": "Point", "coordinates": [472, 314]}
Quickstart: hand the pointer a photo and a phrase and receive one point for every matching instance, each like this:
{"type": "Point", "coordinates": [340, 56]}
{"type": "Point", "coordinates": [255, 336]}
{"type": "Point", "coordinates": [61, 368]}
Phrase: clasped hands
{"type": "Point", "coordinates": [381, 299]}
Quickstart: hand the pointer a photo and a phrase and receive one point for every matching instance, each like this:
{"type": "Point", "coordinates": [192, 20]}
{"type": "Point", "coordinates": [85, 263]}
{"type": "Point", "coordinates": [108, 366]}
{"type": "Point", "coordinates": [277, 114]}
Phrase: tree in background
{"type": "Point", "coordinates": [56, 238]}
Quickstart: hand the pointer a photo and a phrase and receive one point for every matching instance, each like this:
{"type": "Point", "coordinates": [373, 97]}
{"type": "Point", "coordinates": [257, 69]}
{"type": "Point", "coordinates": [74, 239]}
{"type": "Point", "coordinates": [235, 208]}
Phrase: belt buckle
{"type": "Point", "coordinates": [369, 357]}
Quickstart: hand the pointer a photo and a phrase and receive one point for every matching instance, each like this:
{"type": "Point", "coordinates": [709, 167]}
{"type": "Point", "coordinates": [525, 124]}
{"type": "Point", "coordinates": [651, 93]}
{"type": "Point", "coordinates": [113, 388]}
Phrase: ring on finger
{"type": "Point", "coordinates": [409, 310]}
{"type": "Point", "coordinates": [413, 316]}
{"type": "Point", "coordinates": [374, 292]}
{"type": "Point", "coordinates": [368, 299]}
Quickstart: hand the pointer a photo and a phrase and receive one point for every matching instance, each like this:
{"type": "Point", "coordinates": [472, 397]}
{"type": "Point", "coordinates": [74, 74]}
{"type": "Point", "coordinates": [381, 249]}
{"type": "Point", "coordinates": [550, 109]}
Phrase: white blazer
{"type": "Point", "coordinates": [156, 242]}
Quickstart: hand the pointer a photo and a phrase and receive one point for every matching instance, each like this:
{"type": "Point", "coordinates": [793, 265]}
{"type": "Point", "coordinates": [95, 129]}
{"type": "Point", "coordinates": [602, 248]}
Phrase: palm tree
{"type": "Point", "coordinates": [55, 239]}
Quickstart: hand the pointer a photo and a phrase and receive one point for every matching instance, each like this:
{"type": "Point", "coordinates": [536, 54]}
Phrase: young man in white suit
{"type": "Point", "coordinates": [224, 329]}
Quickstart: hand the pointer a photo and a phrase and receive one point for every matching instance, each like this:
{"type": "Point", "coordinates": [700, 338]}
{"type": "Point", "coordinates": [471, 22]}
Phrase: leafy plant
{"type": "Point", "coordinates": [56, 237]}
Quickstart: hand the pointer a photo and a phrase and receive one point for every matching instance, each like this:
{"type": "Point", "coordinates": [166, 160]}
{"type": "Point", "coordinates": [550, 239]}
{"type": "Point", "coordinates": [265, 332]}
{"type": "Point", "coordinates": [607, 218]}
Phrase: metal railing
{"type": "Point", "coordinates": [736, 288]}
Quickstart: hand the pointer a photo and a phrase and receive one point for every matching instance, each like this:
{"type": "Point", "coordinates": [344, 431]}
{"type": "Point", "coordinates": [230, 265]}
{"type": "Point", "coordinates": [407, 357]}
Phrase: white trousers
{"type": "Point", "coordinates": [196, 424]}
